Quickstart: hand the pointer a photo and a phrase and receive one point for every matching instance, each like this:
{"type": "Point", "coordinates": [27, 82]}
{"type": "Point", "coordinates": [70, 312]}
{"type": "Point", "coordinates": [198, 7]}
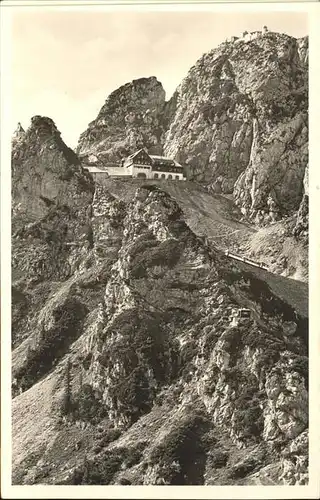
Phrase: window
{"type": "Point", "coordinates": [156, 176]}
{"type": "Point", "coordinates": [163, 176]}
{"type": "Point", "coordinates": [177, 177]}
{"type": "Point", "coordinates": [169, 176]}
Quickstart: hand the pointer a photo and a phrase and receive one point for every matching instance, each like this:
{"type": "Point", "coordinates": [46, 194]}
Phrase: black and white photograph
{"type": "Point", "coordinates": [158, 256]}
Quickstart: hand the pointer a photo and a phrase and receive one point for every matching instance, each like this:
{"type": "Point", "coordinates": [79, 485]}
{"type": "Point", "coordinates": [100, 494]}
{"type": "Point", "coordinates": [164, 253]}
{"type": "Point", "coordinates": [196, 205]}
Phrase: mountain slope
{"type": "Point", "coordinates": [144, 356]}
{"type": "Point", "coordinates": [219, 220]}
{"type": "Point", "coordinates": [238, 121]}
{"type": "Point", "coordinates": [50, 226]}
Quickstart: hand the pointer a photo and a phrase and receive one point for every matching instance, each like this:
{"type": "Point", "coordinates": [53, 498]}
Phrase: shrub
{"type": "Point", "coordinates": [184, 448]}
{"type": "Point", "coordinates": [85, 406]}
{"type": "Point", "coordinates": [97, 448]}
{"type": "Point", "coordinates": [109, 436]}
{"type": "Point", "coordinates": [212, 381]}
{"type": "Point", "coordinates": [249, 415]}
{"type": "Point", "coordinates": [188, 351]}
{"type": "Point", "coordinates": [124, 481]}
{"type": "Point", "coordinates": [102, 470]}
{"type": "Point", "coordinates": [134, 455]}
{"type": "Point", "coordinates": [143, 345]}
{"type": "Point", "coordinates": [250, 420]}
{"type": "Point", "coordinates": [301, 365]}
{"type": "Point", "coordinates": [67, 174]}
{"type": "Point", "coordinates": [142, 245]}
{"type": "Point", "coordinates": [167, 254]}
{"type": "Point", "coordinates": [233, 337]}
{"type": "Point", "coordinates": [183, 441]}
{"type": "Point", "coordinates": [217, 459]}
{"type": "Point", "coordinates": [242, 469]}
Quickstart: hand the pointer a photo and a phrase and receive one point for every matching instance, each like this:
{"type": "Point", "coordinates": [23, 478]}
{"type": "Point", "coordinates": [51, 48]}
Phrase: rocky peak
{"type": "Point", "coordinates": [18, 133]}
{"type": "Point", "coordinates": [241, 122]}
{"type": "Point", "coordinates": [43, 123]}
{"type": "Point", "coordinates": [238, 121]}
{"type": "Point", "coordinates": [46, 175]}
{"type": "Point", "coordinates": [42, 134]}
{"type": "Point", "coordinates": [130, 118]}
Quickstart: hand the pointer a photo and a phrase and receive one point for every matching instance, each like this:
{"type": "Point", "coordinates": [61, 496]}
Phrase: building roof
{"type": "Point", "coordinates": [134, 154]}
{"type": "Point", "coordinates": [154, 158]}
{"type": "Point", "coordinates": [165, 159]}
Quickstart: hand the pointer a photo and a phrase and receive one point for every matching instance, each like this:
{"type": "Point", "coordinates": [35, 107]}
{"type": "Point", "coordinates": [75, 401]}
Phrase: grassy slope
{"type": "Point", "coordinates": [291, 291]}
{"type": "Point", "coordinates": [42, 441]}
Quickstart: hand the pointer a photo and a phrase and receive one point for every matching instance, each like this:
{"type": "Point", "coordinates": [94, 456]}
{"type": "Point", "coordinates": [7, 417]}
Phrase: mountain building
{"type": "Point", "coordinates": [143, 165]}
{"type": "Point", "coordinates": [140, 165]}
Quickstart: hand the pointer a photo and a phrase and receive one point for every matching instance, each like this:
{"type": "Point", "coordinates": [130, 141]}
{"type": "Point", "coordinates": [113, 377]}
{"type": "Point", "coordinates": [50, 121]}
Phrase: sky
{"type": "Point", "coordinates": [64, 64]}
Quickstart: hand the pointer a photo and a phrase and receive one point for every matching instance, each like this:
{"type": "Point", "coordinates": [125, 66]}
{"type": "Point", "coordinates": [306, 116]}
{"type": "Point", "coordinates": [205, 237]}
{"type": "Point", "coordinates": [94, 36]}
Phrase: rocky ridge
{"type": "Point", "coordinates": [239, 124]}
{"type": "Point", "coordinates": [51, 195]}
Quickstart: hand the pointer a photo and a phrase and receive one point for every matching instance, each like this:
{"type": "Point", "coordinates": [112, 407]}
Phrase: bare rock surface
{"type": "Point", "coordinates": [132, 117]}
{"type": "Point", "coordinates": [241, 121]}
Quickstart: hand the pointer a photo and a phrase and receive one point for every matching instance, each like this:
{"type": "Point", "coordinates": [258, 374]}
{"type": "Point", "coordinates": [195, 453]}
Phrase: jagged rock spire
{"type": "Point", "coordinates": [20, 128]}
{"type": "Point", "coordinates": [18, 133]}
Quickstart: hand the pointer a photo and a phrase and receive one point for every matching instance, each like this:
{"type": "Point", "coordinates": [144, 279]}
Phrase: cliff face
{"type": "Point", "coordinates": [50, 198]}
{"type": "Point", "coordinates": [241, 121]}
{"type": "Point", "coordinates": [46, 173]}
{"type": "Point", "coordinates": [132, 117]}
{"type": "Point", "coordinates": [239, 124]}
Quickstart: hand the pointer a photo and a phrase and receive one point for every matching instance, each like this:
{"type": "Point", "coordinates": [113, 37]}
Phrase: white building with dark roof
{"type": "Point", "coordinates": [145, 166]}
{"type": "Point", "coordinates": [139, 165]}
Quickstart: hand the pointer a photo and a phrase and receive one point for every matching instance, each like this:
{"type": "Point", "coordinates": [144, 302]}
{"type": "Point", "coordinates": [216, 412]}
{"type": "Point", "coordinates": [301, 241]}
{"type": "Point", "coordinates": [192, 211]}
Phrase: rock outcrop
{"type": "Point", "coordinates": [301, 229]}
{"type": "Point", "coordinates": [46, 173]}
{"type": "Point", "coordinates": [241, 122]}
{"type": "Point", "coordinates": [51, 194]}
{"type": "Point", "coordinates": [18, 134]}
{"type": "Point", "coordinates": [132, 117]}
